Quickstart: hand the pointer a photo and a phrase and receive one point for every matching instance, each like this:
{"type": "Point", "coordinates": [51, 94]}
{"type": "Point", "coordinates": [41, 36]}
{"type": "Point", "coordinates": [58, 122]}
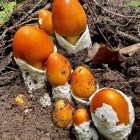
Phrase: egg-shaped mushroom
{"type": "Point", "coordinates": [80, 116]}
{"type": "Point", "coordinates": [70, 24]}
{"type": "Point", "coordinates": [58, 71]}
{"type": "Point", "coordinates": [112, 113]}
{"type": "Point", "coordinates": [69, 18]}
{"type": "Point", "coordinates": [83, 83]}
{"type": "Point", "coordinates": [31, 48]}
{"type": "Point", "coordinates": [82, 125]}
{"type": "Point", "coordinates": [45, 21]}
{"type": "Point", "coordinates": [63, 113]}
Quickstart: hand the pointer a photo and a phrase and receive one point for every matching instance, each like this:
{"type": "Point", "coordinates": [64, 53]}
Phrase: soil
{"type": "Point", "coordinates": [36, 124]}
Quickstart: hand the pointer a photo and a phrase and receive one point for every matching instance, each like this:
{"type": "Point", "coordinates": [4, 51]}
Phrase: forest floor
{"type": "Point", "coordinates": [110, 23]}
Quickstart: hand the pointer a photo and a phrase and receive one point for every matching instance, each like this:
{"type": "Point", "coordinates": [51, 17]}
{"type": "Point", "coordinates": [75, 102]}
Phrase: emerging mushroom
{"type": "Point", "coordinates": [58, 71]}
{"type": "Point", "coordinates": [70, 23]}
{"type": "Point", "coordinates": [45, 21]}
{"type": "Point", "coordinates": [31, 48]}
{"type": "Point", "coordinates": [82, 125]}
{"type": "Point", "coordinates": [82, 84]}
{"type": "Point", "coordinates": [22, 101]}
{"type": "Point", "coordinates": [112, 113]}
{"type": "Point", "coordinates": [63, 113]}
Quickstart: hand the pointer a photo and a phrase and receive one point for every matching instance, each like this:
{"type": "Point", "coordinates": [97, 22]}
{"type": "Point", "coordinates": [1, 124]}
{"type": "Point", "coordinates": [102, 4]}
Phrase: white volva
{"type": "Point", "coordinates": [106, 119]}
{"type": "Point", "coordinates": [62, 92]}
{"type": "Point", "coordinates": [82, 101]}
{"type": "Point", "coordinates": [79, 100]}
{"type": "Point", "coordinates": [82, 43]}
{"type": "Point", "coordinates": [33, 77]}
{"type": "Point", "coordinates": [84, 131]}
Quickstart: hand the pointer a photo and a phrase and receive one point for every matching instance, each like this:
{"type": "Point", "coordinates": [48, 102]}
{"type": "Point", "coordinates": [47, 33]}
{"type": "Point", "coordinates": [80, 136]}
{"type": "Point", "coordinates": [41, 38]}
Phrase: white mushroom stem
{"type": "Point", "coordinates": [84, 131]}
{"type": "Point", "coordinates": [82, 43]}
{"type": "Point", "coordinates": [105, 119]}
{"type": "Point", "coordinates": [33, 77]}
{"type": "Point", "coordinates": [62, 92]}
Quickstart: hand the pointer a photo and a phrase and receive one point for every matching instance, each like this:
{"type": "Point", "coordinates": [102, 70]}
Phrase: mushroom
{"type": "Point", "coordinates": [70, 25]}
{"type": "Point", "coordinates": [112, 113]}
{"type": "Point", "coordinates": [82, 125]}
{"type": "Point", "coordinates": [82, 84]}
{"type": "Point", "coordinates": [22, 101]}
{"type": "Point", "coordinates": [63, 113]}
{"type": "Point", "coordinates": [58, 71]}
{"type": "Point", "coordinates": [45, 21]}
{"type": "Point", "coordinates": [31, 48]}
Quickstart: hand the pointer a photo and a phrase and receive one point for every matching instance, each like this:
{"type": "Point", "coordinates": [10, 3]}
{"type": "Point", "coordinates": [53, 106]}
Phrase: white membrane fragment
{"type": "Point", "coordinates": [84, 131]}
{"type": "Point", "coordinates": [82, 101]}
{"type": "Point", "coordinates": [79, 100]}
{"type": "Point", "coordinates": [62, 92]}
{"type": "Point", "coordinates": [82, 43]}
{"type": "Point", "coordinates": [105, 119]}
{"type": "Point", "coordinates": [40, 21]}
{"type": "Point", "coordinates": [45, 100]}
{"type": "Point", "coordinates": [33, 77]}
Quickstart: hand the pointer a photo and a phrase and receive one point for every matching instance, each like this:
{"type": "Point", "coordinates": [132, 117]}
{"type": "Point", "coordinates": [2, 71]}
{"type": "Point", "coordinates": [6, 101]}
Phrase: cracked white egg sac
{"type": "Point", "coordinates": [82, 125]}
{"type": "Point", "coordinates": [80, 100]}
{"type": "Point", "coordinates": [62, 92]}
{"type": "Point", "coordinates": [33, 78]}
{"type": "Point", "coordinates": [83, 42]}
{"type": "Point", "coordinates": [83, 84]}
{"type": "Point", "coordinates": [85, 132]}
{"type": "Point", "coordinates": [112, 113]}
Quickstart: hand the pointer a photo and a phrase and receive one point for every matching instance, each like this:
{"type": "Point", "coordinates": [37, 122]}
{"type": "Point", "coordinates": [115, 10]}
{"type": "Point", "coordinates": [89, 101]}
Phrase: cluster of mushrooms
{"type": "Point", "coordinates": [111, 111]}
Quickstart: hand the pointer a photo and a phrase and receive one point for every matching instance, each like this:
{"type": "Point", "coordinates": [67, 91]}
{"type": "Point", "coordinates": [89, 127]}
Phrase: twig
{"type": "Point", "coordinates": [135, 39]}
{"type": "Point", "coordinates": [139, 29]}
{"type": "Point", "coordinates": [9, 72]}
{"type": "Point", "coordinates": [29, 12]}
{"type": "Point", "coordinates": [104, 37]}
{"type": "Point", "coordinates": [129, 50]}
{"type": "Point", "coordinates": [131, 18]}
{"type": "Point", "coordinates": [17, 24]}
{"type": "Point", "coordinates": [113, 12]}
{"type": "Point", "coordinates": [27, 21]}
{"type": "Point", "coordinates": [98, 26]}
{"type": "Point", "coordinates": [8, 46]}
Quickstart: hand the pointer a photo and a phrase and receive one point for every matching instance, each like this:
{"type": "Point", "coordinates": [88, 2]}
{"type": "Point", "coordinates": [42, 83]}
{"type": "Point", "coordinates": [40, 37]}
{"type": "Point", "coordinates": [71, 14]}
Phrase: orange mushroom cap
{"type": "Point", "coordinates": [45, 21]}
{"type": "Point", "coordinates": [82, 82]}
{"type": "Point", "coordinates": [80, 116]}
{"type": "Point", "coordinates": [69, 18]}
{"type": "Point", "coordinates": [32, 45]}
{"type": "Point", "coordinates": [20, 100]}
{"type": "Point", "coordinates": [63, 113]}
{"type": "Point", "coordinates": [113, 98]}
{"type": "Point", "coordinates": [58, 69]}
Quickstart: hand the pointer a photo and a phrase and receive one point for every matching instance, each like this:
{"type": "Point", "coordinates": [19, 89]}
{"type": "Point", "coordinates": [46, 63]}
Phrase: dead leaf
{"type": "Point", "coordinates": [102, 54]}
